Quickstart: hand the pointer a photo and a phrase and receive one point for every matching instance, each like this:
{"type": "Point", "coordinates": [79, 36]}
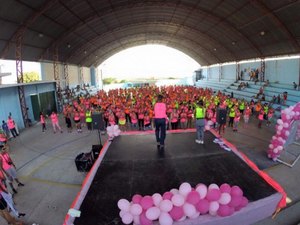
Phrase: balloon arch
{"type": "Point", "coordinates": [287, 130]}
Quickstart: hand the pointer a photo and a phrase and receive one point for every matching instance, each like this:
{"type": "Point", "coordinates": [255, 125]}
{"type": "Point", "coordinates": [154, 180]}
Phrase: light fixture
{"type": "Point", "coordinates": [262, 33]}
{"type": "Point", "coordinates": [215, 49]}
{"type": "Point", "coordinates": [85, 52]}
{"type": "Point", "coordinates": [69, 46]}
{"type": "Point", "coordinates": [233, 43]}
{"type": "Point", "coordinates": [96, 56]}
{"type": "Point", "coordinates": [41, 35]}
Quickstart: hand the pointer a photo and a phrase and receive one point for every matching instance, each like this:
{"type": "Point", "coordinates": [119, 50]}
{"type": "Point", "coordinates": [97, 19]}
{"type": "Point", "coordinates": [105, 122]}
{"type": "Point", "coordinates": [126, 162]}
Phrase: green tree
{"type": "Point", "coordinates": [30, 77]}
{"type": "Point", "coordinates": [109, 80]}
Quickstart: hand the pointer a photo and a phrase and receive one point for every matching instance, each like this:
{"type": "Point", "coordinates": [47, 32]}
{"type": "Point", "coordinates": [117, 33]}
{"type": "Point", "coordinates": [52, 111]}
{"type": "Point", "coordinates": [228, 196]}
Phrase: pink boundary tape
{"type": "Point", "coordinates": [90, 176]}
{"type": "Point", "coordinates": [69, 220]}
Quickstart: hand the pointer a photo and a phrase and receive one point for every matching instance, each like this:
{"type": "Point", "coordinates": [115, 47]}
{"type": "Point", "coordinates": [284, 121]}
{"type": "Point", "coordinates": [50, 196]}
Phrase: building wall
{"type": "Point", "coordinates": [47, 71]}
{"type": "Point", "coordinates": [229, 72]}
{"type": "Point", "coordinates": [283, 71]}
{"type": "Point", "coordinates": [36, 89]}
{"type": "Point", "coordinates": [73, 76]}
{"type": "Point", "coordinates": [9, 102]}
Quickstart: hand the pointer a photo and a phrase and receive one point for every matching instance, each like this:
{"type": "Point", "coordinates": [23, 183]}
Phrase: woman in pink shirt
{"type": "Point", "coordinates": [55, 124]}
{"type": "Point", "coordinates": [160, 122]}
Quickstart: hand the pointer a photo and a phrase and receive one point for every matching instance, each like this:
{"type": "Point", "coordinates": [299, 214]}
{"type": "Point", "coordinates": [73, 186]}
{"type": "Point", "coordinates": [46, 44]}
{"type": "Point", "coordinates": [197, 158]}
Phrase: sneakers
{"type": "Point", "coordinates": [21, 215]}
{"type": "Point", "coordinates": [199, 141]}
{"type": "Point", "coordinates": [20, 185]}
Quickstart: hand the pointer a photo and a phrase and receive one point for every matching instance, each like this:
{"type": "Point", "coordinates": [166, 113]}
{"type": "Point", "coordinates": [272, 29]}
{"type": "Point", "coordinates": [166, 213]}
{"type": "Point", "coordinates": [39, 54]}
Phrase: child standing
{"type": "Point", "coordinates": [247, 116]}
{"type": "Point", "coordinates": [236, 120]}
{"type": "Point", "coordinates": [43, 122]}
{"type": "Point", "coordinates": [260, 118]}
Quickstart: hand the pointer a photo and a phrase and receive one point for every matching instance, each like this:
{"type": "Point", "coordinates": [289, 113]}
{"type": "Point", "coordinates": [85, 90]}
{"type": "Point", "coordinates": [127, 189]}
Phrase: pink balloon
{"type": "Point", "coordinates": [176, 213]}
{"type": "Point", "coordinates": [203, 206]}
{"type": "Point", "coordinates": [144, 220]}
{"type": "Point", "coordinates": [213, 195]}
{"type": "Point", "coordinates": [224, 210]}
{"type": "Point", "coordinates": [167, 195]}
{"type": "Point", "coordinates": [244, 202]}
{"type": "Point", "coordinates": [193, 197]}
{"type": "Point", "coordinates": [146, 202]}
{"type": "Point", "coordinates": [236, 191]}
{"type": "Point", "coordinates": [235, 201]}
{"type": "Point", "coordinates": [225, 188]}
{"type": "Point", "coordinates": [136, 198]}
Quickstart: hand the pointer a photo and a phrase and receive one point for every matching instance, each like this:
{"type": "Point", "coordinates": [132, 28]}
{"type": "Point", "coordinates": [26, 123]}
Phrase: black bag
{"type": "Point", "coordinates": [84, 162]}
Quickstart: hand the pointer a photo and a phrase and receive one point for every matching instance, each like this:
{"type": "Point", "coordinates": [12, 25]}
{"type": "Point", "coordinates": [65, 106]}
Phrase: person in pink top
{"type": "Point", "coordinates": [43, 122]}
{"type": "Point", "coordinates": [12, 127]}
{"type": "Point", "coordinates": [9, 167]}
{"type": "Point", "coordinates": [55, 124]}
{"type": "Point", "coordinates": [160, 116]}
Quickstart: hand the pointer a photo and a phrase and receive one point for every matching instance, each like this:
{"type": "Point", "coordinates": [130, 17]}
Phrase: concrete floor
{"type": "Point", "coordinates": [45, 163]}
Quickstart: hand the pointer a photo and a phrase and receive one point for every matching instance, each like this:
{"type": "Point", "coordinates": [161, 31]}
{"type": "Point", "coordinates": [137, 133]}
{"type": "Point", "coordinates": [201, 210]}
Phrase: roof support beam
{"type": "Point", "coordinates": [277, 21]}
{"type": "Point", "coordinates": [22, 29]}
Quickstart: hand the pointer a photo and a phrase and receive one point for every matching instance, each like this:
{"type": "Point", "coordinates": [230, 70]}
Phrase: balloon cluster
{"type": "Point", "coordinates": [113, 131]}
{"type": "Point", "coordinates": [180, 204]}
{"type": "Point", "coordinates": [283, 128]}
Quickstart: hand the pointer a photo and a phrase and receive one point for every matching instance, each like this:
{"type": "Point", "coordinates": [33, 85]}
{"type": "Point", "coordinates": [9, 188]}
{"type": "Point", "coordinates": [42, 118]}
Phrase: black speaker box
{"type": "Point", "coordinates": [221, 116]}
{"type": "Point", "coordinates": [84, 162]}
{"type": "Point", "coordinates": [96, 151]}
{"type": "Point", "coordinates": [98, 122]}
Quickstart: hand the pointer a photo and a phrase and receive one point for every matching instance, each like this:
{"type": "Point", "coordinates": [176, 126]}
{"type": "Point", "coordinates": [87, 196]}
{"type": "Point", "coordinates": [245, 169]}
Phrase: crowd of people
{"type": "Point", "coordinates": [8, 174]}
{"type": "Point", "coordinates": [137, 109]}
{"type": "Point", "coordinates": [133, 108]}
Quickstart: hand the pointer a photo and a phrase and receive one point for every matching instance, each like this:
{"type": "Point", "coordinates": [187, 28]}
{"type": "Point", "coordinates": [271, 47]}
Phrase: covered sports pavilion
{"type": "Point", "coordinates": [71, 38]}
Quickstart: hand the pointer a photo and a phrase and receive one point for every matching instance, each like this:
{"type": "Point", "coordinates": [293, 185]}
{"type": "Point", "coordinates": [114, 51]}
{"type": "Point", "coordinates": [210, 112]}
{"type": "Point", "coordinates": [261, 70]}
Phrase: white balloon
{"type": "Point", "coordinates": [185, 188]}
{"type": "Point", "coordinates": [189, 209]}
{"type": "Point", "coordinates": [157, 198]}
{"type": "Point", "coordinates": [196, 215]}
{"type": "Point", "coordinates": [136, 220]}
{"type": "Point", "coordinates": [177, 200]}
{"type": "Point", "coordinates": [202, 190]}
{"type": "Point", "coordinates": [213, 186]}
{"type": "Point", "coordinates": [124, 205]}
{"type": "Point", "coordinates": [136, 209]}
{"type": "Point", "coordinates": [225, 198]}
{"type": "Point", "coordinates": [214, 206]}
{"type": "Point", "coordinates": [127, 218]}
{"type": "Point", "coordinates": [165, 219]}
{"type": "Point", "coordinates": [174, 191]}
{"type": "Point", "coordinates": [166, 205]}
{"type": "Point", "coordinates": [153, 213]}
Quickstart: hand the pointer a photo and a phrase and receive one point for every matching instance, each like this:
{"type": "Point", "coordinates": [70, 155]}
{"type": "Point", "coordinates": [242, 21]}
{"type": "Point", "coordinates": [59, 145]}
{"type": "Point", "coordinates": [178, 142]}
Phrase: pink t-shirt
{"type": "Point", "coordinates": [160, 110]}
{"type": "Point", "coordinates": [5, 160]}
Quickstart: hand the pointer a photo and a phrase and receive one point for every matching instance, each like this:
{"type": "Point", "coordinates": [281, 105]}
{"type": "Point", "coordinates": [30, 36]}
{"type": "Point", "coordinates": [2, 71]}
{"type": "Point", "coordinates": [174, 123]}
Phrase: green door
{"type": "Point", "coordinates": [35, 107]}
